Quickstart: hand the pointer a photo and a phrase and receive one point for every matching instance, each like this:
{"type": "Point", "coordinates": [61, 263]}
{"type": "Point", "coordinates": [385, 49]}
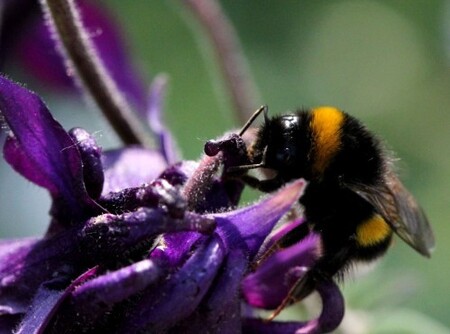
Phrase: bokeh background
{"type": "Point", "coordinates": [385, 62]}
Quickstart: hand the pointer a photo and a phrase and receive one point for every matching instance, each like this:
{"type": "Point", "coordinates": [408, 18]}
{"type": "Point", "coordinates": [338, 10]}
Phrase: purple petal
{"type": "Point", "coordinates": [220, 312]}
{"type": "Point", "coordinates": [42, 309]}
{"type": "Point", "coordinates": [167, 144]}
{"type": "Point", "coordinates": [90, 154]}
{"type": "Point", "coordinates": [175, 249]}
{"type": "Point", "coordinates": [333, 308]}
{"type": "Point", "coordinates": [178, 297]}
{"type": "Point", "coordinates": [43, 152]}
{"type": "Point", "coordinates": [25, 269]}
{"type": "Point", "coordinates": [179, 173]}
{"type": "Point", "coordinates": [92, 299]}
{"type": "Point", "coordinates": [38, 52]}
{"type": "Point", "coordinates": [111, 236]}
{"type": "Point", "coordinates": [8, 323]}
{"type": "Point", "coordinates": [270, 283]}
{"type": "Point", "coordinates": [12, 253]}
{"type": "Point", "coordinates": [9, 249]}
{"type": "Point", "coordinates": [131, 167]}
{"type": "Point", "coordinates": [282, 231]}
{"type": "Point", "coordinates": [159, 193]}
{"type": "Point", "coordinates": [46, 302]}
{"type": "Point", "coordinates": [226, 289]}
{"type": "Point", "coordinates": [261, 326]}
{"type": "Point", "coordinates": [247, 228]}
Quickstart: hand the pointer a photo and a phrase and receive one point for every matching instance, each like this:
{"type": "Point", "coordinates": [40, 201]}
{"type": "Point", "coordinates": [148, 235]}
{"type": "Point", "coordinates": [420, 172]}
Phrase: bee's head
{"type": "Point", "coordinates": [282, 144]}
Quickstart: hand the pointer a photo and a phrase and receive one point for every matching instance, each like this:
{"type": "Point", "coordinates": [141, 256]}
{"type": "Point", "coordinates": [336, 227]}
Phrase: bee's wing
{"type": "Point", "coordinates": [399, 208]}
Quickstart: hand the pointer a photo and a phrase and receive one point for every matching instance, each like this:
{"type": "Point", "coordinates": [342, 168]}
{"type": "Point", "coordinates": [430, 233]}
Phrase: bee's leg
{"type": "Point", "coordinates": [297, 234]}
{"type": "Point", "coordinates": [301, 289]}
{"type": "Point", "coordinates": [324, 270]}
{"type": "Point", "coordinates": [292, 237]}
{"type": "Point", "coordinates": [266, 186]}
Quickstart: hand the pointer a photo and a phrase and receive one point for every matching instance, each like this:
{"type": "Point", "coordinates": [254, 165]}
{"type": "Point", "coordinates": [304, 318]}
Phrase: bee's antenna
{"type": "Point", "coordinates": [244, 167]}
{"type": "Point", "coordinates": [266, 116]}
{"type": "Point", "coordinates": [253, 117]}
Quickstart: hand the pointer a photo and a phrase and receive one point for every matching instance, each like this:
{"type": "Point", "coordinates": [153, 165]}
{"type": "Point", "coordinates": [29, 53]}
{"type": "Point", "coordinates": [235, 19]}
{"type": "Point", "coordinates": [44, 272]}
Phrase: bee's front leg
{"type": "Point", "coordinates": [266, 186]}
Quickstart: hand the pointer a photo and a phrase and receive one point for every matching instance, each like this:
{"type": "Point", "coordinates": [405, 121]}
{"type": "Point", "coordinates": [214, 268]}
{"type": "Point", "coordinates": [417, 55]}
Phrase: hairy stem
{"type": "Point", "coordinates": [200, 182]}
{"type": "Point", "coordinates": [230, 56]}
{"type": "Point", "coordinates": [65, 21]}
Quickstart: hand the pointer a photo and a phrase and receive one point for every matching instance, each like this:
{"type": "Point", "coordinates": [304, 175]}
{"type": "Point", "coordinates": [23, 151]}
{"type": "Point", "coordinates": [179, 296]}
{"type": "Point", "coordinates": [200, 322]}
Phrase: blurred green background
{"type": "Point", "coordinates": [385, 62]}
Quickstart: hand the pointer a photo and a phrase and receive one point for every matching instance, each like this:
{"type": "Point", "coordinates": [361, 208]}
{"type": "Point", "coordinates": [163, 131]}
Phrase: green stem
{"type": "Point", "coordinates": [64, 18]}
{"type": "Point", "coordinates": [230, 56]}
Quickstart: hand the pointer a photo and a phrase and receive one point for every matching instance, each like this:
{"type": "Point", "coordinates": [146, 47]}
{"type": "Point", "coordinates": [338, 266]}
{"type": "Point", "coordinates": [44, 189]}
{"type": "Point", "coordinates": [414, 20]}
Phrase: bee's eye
{"type": "Point", "coordinates": [284, 155]}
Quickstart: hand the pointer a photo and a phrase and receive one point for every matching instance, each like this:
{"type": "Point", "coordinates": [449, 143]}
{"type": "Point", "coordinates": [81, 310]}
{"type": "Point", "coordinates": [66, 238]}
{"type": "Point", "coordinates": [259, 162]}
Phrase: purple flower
{"type": "Point", "coordinates": [139, 241]}
{"type": "Point", "coordinates": [129, 247]}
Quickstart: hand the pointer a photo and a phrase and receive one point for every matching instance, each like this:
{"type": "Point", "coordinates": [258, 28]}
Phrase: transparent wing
{"type": "Point", "coordinates": [399, 208]}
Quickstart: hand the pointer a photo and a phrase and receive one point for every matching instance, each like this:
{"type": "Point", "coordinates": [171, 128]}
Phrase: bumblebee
{"type": "Point", "coordinates": [354, 199]}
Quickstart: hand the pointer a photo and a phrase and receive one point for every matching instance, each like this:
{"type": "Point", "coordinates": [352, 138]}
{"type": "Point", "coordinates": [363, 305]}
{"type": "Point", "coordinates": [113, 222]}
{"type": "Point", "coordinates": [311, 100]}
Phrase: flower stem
{"type": "Point", "coordinates": [65, 21]}
{"type": "Point", "coordinates": [229, 54]}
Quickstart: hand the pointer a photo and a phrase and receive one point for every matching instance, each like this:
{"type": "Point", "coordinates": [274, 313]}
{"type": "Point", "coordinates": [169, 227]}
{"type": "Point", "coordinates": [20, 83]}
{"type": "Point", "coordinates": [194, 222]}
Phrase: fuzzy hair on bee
{"type": "Point", "coordinates": [354, 198]}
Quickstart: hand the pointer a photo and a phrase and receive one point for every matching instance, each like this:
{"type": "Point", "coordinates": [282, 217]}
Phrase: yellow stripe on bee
{"type": "Point", "coordinates": [372, 231]}
{"type": "Point", "coordinates": [326, 125]}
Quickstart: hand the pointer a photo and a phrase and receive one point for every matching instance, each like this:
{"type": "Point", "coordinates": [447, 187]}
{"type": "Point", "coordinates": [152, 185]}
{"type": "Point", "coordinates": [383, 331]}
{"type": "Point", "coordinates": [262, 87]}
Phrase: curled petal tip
{"type": "Point", "coordinates": [328, 320]}
{"type": "Point", "coordinates": [333, 307]}
{"type": "Point", "coordinates": [268, 286]}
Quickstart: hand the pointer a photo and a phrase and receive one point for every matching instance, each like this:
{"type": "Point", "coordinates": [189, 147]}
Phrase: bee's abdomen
{"type": "Point", "coordinates": [372, 231]}
{"type": "Point", "coordinates": [373, 237]}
